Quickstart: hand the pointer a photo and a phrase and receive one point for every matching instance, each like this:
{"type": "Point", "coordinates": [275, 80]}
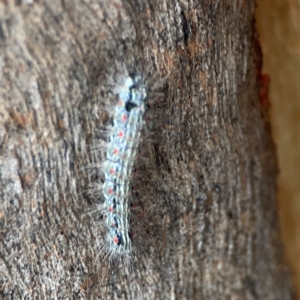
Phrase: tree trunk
{"type": "Point", "coordinates": [204, 205]}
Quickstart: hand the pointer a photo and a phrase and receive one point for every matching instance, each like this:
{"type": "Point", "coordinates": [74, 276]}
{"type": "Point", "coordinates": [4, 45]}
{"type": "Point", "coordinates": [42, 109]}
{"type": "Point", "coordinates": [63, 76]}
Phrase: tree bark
{"type": "Point", "coordinates": [205, 200]}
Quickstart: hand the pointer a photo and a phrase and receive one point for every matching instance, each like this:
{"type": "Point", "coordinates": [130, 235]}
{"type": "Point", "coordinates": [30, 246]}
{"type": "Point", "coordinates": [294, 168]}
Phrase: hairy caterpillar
{"type": "Point", "coordinates": [121, 151]}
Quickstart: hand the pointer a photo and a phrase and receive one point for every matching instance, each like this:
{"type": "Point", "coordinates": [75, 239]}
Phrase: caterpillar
{"type": "Point", "coordinates": [124, 138]}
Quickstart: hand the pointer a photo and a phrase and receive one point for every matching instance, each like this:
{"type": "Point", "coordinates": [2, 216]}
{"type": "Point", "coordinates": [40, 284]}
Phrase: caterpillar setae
{"type": "Point", "coordinates": [121, 150]}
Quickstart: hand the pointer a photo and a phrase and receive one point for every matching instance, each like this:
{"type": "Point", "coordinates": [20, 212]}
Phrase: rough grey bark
{"type": "Point", "coordinates": [206, 209]}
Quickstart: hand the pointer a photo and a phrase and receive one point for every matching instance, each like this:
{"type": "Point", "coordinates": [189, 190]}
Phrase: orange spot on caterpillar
{"type": "Point", "coordinates": [116, 240]}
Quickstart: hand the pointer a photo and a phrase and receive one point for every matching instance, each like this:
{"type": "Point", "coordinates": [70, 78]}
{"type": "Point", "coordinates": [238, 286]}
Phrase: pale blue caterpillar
{"type": "Point", "coordinates": [121, 151]}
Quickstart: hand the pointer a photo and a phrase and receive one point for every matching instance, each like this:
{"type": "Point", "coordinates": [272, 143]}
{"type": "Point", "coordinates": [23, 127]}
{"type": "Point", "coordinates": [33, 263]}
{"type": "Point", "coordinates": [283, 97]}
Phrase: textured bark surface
{"type": "Point", "coordinates": [206, 216]}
